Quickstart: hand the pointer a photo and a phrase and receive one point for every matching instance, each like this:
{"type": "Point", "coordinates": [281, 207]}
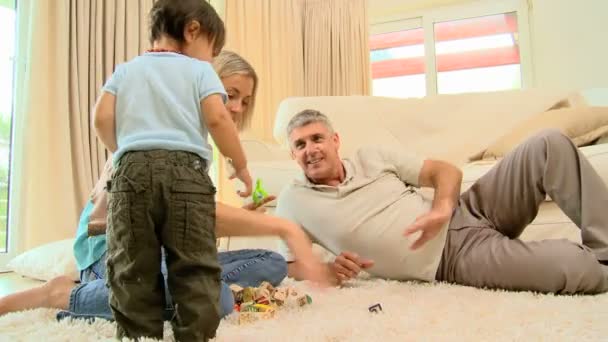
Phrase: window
{"type": "Point", "coordinates": [7, 55]}
{"type": "Point", "coordinates": [467, 48]}
{"type": "Point", "coordinates": [478, 54]}
{"type": "Point", "coordinates": [397, 59]}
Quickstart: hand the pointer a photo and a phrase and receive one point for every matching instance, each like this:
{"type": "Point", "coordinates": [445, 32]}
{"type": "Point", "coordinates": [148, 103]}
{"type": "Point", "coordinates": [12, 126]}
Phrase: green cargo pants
{"type": "Point", "coordinates": [162, 198]}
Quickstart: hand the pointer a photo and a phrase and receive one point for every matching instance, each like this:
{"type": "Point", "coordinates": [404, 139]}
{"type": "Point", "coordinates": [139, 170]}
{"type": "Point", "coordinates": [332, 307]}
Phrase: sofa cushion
{"type": "Point", "coordinates": [447, 127]}
{"type": "Point", "coordinates": [596, 154]}
{"type": "Point", "coordinates": [551, 223]}
{"type": "Point", "coordinates": [582, 124]}
{"type": "Point", "coordinates": [47, 261]}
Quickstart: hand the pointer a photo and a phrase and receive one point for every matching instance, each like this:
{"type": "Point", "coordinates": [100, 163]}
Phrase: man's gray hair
{"type": "Point", "coordinates": [306, 117]}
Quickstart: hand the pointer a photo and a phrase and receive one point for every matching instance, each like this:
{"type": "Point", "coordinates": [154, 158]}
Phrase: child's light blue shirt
{"type": "Point", "coordinates": [158, 103]}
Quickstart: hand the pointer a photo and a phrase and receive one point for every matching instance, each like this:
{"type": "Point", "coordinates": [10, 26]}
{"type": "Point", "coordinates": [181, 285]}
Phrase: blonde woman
{"type": "Point", "coordinates": [248, 267]}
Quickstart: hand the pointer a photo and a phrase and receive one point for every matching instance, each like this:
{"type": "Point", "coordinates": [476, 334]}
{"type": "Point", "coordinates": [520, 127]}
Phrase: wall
{"type": "Point", "coordinates": [568, 48]}
{"type": "Point", "coordinates": [388, 8]}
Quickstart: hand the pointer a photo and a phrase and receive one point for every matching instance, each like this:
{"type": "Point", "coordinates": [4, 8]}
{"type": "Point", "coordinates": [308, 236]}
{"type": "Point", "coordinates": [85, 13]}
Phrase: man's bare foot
{"type": "Point", "coordinates": [55, 294]}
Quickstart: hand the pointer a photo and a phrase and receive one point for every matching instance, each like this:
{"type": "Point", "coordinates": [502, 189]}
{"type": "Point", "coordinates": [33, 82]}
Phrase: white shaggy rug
{"type": "Point", "coordinates": [412, 312]}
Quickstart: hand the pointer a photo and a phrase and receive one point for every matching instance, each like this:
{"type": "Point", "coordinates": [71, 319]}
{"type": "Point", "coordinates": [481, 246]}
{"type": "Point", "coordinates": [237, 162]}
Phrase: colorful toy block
{"type": "Point", "coordinates": [255, 303]}
{"type": "Point", "coordinates": [304, 299]}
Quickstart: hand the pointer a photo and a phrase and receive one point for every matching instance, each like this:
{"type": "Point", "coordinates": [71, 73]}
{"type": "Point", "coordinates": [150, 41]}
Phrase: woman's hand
{"type": "Point", "coordinates": [245, 178]}
{"type": "Point", "coordinates": [309, 266]}
{"type": "Point", "coordinates": [260, 206]}
{"type": "Point", "coordinates": [314, 270]}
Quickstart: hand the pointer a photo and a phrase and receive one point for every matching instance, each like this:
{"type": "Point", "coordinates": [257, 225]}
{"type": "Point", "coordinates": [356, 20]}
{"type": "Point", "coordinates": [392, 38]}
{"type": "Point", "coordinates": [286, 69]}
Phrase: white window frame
{"type": "Point", "coordinates": [13, 239]}
{"type": "Point", "coordinates": [429, 17]}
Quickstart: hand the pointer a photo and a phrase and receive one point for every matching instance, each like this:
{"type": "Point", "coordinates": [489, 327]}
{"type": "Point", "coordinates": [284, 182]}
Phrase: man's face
{"type": "Point", "coordinates": [315, 148]}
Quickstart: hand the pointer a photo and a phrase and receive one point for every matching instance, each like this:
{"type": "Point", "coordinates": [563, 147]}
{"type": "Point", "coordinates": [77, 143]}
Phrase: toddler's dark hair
{"type": "Point", "coordinates": [170, 17]}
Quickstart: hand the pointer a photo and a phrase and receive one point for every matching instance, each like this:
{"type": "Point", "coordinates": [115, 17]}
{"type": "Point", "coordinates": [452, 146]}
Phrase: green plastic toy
{"type": "Point", "coordinates": [259, 193]}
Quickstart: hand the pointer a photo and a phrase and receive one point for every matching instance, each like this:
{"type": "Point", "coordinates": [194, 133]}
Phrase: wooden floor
{"type": "Point", "coordinates": [12, 282]}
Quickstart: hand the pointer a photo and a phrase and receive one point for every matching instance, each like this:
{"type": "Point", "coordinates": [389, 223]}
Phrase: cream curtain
{"type": "Point", "coordinates": [336, 50]}
{"type": "Point", "coordinates": [66, 49]}
{"type": "Point", "coordinates": [268, 33]}
{"type": "Point", "coordinates": [102, 34]}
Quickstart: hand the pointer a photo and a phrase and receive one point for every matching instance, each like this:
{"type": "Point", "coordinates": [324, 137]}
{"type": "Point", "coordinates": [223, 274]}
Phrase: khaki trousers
{"type": "Point", "coordinates": [482, 247]}
{"type": "Point", "coordinates": [163, 198]}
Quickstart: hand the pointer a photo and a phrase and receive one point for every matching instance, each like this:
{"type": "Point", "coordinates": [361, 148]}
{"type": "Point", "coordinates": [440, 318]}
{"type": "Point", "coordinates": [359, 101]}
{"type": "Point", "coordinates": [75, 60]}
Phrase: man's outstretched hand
{"type": "Point", "coordinates": [348, 265]}
{"type": "Point", "coordinates": [429, 225]}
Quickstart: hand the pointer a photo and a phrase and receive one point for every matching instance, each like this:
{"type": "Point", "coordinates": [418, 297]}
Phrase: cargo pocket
{"type": "Point", "coordinates": [127, 208]}
{"type": "Point", "coordinates": [120, 235]}
{"type": "Point", "coordinates": [192, 218]}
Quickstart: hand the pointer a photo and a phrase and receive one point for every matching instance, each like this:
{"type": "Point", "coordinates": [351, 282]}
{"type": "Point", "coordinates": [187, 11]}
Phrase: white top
{"type": "Point", "coordinates": [368, 213]}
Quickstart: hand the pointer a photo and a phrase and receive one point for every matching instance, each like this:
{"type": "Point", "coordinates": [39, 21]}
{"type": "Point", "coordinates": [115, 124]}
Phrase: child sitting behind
{"type": "Point", "coordinates": [154, 114]}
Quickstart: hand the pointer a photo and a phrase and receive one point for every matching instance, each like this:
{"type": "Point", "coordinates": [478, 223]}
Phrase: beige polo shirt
{"type": "Point", "coordinates": [368, 213]}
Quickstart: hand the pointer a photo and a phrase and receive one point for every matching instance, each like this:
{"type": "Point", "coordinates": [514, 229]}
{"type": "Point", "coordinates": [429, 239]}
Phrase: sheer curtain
{"type": "Point", "coordinates": [66, 50]}
{"type": "Point", "coordinates": [336, 50]}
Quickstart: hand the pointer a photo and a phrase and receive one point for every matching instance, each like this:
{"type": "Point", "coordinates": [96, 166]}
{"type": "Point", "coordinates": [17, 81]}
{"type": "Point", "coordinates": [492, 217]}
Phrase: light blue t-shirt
{"type": "Point", "coordinates": [158, 103]}
{"type": "Point", "coordinates": [87, 250]}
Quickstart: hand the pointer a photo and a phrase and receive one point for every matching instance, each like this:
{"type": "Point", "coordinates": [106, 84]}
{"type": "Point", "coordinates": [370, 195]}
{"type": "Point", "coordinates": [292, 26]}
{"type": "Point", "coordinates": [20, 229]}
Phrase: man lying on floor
{"type": "Point", "coordinates": [368, 210]}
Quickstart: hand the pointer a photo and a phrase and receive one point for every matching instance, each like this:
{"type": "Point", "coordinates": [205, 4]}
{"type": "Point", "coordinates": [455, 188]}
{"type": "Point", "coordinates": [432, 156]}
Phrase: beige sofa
{"type": "Point", "coordinates": [450, 127]}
